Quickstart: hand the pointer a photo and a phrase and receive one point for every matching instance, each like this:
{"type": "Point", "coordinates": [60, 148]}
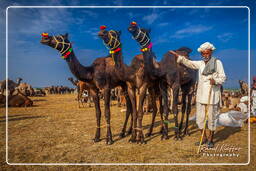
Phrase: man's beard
{"type": "Point", "coordinates": [206, 59]}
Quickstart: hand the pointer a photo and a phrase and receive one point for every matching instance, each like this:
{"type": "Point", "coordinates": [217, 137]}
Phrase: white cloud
{"type": "Point", "coordinates": [191, 30]}
{"type": "Point", "coordinates": [150, 18]}
{"type": "Point", "coordinates": [225, 37]}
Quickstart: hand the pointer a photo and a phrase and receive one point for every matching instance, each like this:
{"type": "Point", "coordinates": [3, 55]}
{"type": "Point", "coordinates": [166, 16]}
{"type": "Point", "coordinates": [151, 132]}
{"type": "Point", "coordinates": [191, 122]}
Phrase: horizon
{"type": "Point", "coordinates": [42, 66]}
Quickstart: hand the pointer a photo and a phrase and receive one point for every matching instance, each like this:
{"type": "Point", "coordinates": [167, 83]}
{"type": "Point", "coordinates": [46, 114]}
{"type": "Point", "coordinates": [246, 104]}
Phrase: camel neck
{"type": "Point", "coordinates": [148, 60]}
{"type": "Point", "coordinates": [81, 72]}
{"type": "Point", "coordinates": [118, 58]}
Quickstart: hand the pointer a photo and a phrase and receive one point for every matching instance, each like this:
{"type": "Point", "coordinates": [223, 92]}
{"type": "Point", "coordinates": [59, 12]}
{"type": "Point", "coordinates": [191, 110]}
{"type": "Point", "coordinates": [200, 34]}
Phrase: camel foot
{"type": "Point", "coordinates": [122, 134]}
{"type": "Point", "coordinates": [109, 141]}
{"type": "Point", "coordinates": [164, 137]}
{"type": "Point", "coordinates": [148, 134]}
{"type": "Point", "coordinates": [96, 140]}
{"type": "Point", "coordinates": [132, 140]}
{"type": "Point", "coordinates": [186, 133]}
{"type": "Point", "coordinates": [129, 131]}
{"type": "Point", "coordinates": [177, 138]}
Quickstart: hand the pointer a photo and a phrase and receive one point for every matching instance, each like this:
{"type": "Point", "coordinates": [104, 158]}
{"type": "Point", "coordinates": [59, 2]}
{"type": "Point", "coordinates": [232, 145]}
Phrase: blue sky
{"type": "Point", "coordinates": [171, 28]}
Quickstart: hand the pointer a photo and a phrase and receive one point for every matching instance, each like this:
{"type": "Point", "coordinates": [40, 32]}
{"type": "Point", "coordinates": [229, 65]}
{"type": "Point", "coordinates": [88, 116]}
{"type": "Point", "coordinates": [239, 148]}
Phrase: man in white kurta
{"type": "Point", "coordinates": [205, 82]}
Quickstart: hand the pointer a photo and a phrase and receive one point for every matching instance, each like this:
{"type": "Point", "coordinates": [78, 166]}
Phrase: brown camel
{"type": "Point", "coordinates": [171, 75]}
{"type": "Point", "coordinates": [134, 76]}
{"type": "Point", "coordinates": [101, 75]}
{"type": "Point", "coordinates": [2, 100]}
{"type": "Point", "coordinates": [81, 88]}
{"type": "Point", "coordinates": [19, 100]}
{"type": "Point", "coordinates": [11, 85]}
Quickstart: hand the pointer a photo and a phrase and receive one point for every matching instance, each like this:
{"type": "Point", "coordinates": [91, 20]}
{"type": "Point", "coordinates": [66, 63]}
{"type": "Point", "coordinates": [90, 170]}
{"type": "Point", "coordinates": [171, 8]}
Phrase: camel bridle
{"type": "Point", "coordinates": [62, 51]}
{"type": "Point", "coordinates": [144, 40]}
{"type": "Point", "coordinates": [113, 42]}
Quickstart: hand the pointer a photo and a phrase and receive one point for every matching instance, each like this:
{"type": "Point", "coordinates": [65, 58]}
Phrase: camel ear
{"type": "Point", "coordinates": [66, 35]}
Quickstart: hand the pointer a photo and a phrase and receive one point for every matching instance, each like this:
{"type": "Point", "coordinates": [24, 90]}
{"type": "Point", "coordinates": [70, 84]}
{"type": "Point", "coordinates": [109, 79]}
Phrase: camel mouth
{"type": "Point", "coordinates": [45, 41]}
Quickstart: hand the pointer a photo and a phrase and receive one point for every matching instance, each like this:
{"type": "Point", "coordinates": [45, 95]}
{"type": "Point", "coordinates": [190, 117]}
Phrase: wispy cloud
{"type": "Point", "coordinates": [191, 30]}
{"type": "Point", "coordinates": [93, 32]}
{"type": "Point", "coordinates": [225, 37]}
{"type": "Point", "coordinates": [163, 24]}
{"type": "Point", "coordinates": [164, 38]}
{"type": "Point", "coordinates": [150, 18]}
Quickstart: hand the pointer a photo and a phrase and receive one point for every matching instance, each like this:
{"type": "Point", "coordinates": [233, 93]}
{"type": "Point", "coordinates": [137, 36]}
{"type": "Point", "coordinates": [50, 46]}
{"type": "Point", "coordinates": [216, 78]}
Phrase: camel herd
{"type": "Point", "coordinates": [144, 77]}
{"type": "Point", "coordinates": [19, 92]}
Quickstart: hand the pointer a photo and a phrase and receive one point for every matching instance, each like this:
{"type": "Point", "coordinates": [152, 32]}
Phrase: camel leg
{"type": "Point", "coordinates": [183, 110]}
{"type": "Point", "coordinates": [96, 101]}
{"type": "Point", "coordinates": [153, 101]}
{"type": "Point", "coordinates": [161, 112]}
{"type": "Point", "coordinates": [128, 113]}
{"type": "Point", "coordinates": [175, 88]}
{"type": "Point", "coordinates": [140, 135]}
{"type": "Point", "coordinates": [131, 92]}
{"type": "Point", "coordinates": [186, 132]}
{"type": "Point", "coordinates": [165, 111]}
{"type": "Point", "coordinates": [109, 139]}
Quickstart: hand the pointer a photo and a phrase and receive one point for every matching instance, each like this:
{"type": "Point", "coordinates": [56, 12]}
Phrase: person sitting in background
{"type": "Point", "coordinates": [253, 96]}
{"type": "Point", "coordinates": [236, 116]}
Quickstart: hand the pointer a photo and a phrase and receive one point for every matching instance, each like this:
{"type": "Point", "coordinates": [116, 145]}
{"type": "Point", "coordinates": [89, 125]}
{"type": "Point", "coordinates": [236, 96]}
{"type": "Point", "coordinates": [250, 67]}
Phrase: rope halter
{"type": "Point", "coordinates": [112, 40]}
{"type": "Point", "coordinates": [62, 51]}
{"type": "Point", "coordinates": [144, 40]}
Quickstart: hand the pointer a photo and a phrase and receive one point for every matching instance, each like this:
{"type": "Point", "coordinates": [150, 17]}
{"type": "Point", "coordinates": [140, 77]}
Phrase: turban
{"type": "Point", "coordinates": [205, 46]}
{"type": "Point", "coordinates": [244, 99]}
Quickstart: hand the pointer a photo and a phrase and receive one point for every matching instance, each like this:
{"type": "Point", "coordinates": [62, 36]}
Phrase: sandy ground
{"type": "Point", "coordinates": [55, 130]}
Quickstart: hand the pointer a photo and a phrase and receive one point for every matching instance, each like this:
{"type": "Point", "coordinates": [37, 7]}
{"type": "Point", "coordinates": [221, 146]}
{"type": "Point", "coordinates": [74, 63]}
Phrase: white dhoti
{"type": "Point", "coordinates": [213, 110]}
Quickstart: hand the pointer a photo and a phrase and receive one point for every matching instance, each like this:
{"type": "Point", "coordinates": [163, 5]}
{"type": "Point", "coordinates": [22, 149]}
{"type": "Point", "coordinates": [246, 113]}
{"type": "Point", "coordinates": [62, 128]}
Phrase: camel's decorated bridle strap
{"type": "Point", "coordinates": [147, 48]}
{"type": "Point", "coordinates": [62, 51]}
{"type": "Point", "coordinates": [114, 51]}
{"type": "Point", "coordinates": [65, 56]}
{"type": "Point", "coordinates": [113, 41]}
{"type": "Point", "coordinates": [144, 40]}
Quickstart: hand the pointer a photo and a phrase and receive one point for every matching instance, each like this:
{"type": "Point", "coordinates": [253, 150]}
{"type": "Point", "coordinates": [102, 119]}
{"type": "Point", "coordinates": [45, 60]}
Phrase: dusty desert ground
{"type": "Point", "coordinates": [55, 130]}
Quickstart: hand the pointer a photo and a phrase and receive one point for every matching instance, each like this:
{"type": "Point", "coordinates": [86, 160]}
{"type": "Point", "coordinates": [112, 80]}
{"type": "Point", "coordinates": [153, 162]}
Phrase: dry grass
{"type": "Point", "coordinates": [55, 130]}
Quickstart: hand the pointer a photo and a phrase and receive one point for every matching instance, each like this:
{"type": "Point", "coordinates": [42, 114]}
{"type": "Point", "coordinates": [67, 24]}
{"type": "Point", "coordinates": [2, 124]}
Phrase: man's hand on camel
{"type": "Point", "coordinates": [174, 53]}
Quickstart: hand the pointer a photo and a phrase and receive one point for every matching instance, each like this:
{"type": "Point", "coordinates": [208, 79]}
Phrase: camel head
{"type": "Point", "coordinates": [110, 38]}
{"type": "Point", "coordinates": [141, 35]}
{"type": "Point", "coordinates": [184, 51]}
{"type": "Point", "coordinates": [59, 42]}
{"type": "Point", "coordinates": [19, 80]}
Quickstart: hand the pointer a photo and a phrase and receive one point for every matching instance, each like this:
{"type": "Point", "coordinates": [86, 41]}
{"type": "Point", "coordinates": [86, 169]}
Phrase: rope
{"type": "Point", "coordinates": [145, 36]}
{"type": "Point", "coordinates": [62, 51]}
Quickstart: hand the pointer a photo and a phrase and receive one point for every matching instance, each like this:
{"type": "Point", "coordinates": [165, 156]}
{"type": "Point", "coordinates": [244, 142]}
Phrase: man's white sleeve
{"type": "Point", "coordinates": [188, 63]}
{"type": "Point", "coordinates": [219, 76]}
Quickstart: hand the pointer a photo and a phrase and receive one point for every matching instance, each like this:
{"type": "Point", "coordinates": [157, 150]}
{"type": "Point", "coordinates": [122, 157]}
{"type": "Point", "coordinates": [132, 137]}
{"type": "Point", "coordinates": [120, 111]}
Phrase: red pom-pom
{"type": "Point", "coordinates": [103, 27]}
{"type": "Point", "coordinates": [133, 23]}
{"type": "Point", "coordinates": [44, 34]}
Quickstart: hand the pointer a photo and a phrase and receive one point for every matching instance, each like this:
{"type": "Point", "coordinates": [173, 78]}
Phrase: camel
{"type": "Point", "coordinates": [134, 76]}
{"type": "Point", "coordinates": [81, 87]}
{"type": "Point", "coordinates": [26, 89]}
{"type": "Point", "coordinates": [11, 85]}
{"type": "Point", "coordinates": [19, 100]}
{"type": "Point", "coordinates": [243, 88]}
{"type": "Point", "coordinates": [2, 100]}
{"type": "Point", "coordinates": [171, 75]}
{"type": "Point", "coordinates": [100, 76]}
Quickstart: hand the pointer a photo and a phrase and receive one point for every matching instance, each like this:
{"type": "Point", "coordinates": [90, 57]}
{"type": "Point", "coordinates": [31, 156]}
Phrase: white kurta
{"type": "Point", "coordinates": [203, 86]}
